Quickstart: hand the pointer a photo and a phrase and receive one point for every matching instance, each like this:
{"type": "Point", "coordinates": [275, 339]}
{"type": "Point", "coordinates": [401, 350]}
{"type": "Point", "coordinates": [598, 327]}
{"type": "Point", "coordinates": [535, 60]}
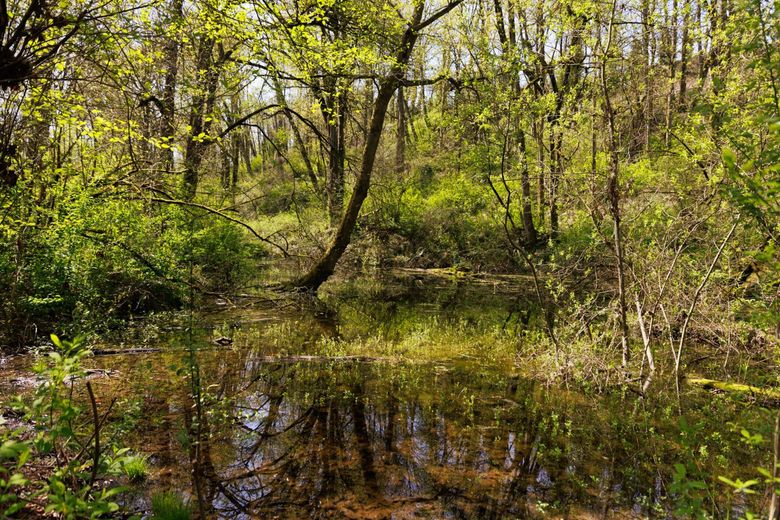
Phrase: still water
{"type": "Point", "coordinates": [286, 420]}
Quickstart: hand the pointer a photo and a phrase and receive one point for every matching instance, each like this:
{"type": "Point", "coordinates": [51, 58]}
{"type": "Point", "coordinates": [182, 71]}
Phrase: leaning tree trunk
{"type": "Point", "coordinates": [325, 266]}
{"type": "Point", "coordinates": [327, 263]}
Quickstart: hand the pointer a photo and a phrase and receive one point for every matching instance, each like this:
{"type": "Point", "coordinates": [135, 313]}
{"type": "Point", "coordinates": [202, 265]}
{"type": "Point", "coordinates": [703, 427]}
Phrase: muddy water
{"type": "Point", "coordinates": [259, 429]}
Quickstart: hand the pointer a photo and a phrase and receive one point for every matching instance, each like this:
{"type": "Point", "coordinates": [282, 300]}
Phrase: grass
{"type": "Point", "coordinates": [170, 506]}
{"type": "Point", "coordinates": [136, 468]}
{"type": "Point", "coordinates": [425, 344]}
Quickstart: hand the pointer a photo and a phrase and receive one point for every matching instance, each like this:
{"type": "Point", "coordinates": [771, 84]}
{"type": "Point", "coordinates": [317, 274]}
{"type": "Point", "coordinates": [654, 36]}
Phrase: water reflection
{"type": "Point", "coordinates": [347, 439]}
{"type": "Point", "coordinates": [258, 430]}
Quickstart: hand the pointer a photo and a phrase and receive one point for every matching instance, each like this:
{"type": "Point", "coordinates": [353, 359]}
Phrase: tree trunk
{"type": "Point", "coordinates": [336, 158]}
{"type": "Point", "coordinates": [555, 174]}
{"type": "Point", "coordinates": [684, 51]}
{"type": "Point", "coordinates": [325, 266]}
{"type": "Point", "coordinates": [528, 218]}
{"type": "Point", "coordinates": [171, 64]}
{"type": "Point", "coordinates": [540, 187]}
{"type": "Point", "coordinates": [201, 102]}
{"type": "Point", "coordinates": [322, 270]}
{"type": "Point", "coordinates": [648, 106]}
{"type": "Point", "coordinates": [400, 134]}
{"type": "Point", "coordinates": [671, 54]}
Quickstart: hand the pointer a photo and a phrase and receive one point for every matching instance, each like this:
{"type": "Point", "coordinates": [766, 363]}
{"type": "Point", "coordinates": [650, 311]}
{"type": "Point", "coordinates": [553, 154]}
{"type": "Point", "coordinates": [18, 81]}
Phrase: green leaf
{"type": "Point", "coordinates": [17, 479]}
{"type": "Point", "coordinates": [729, 158]}
{"type": "Point", "coordinates": [12, 449]}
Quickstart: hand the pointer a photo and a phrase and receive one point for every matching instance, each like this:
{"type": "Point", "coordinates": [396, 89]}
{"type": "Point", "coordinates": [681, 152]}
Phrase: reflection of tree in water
{"type": "Point", "coordinates": [370, 440]}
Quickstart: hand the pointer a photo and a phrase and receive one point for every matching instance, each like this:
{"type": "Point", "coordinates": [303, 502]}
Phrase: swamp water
{"type": "Point", "coordinates": [288, 422]}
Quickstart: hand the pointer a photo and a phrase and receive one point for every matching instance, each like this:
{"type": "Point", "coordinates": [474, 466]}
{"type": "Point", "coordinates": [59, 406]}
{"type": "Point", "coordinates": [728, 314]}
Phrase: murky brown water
{"type": "Point", "coordinates": [256, 430]}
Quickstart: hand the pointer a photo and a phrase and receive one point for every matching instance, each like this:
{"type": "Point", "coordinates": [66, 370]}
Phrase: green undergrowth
{"type": "Point", "coordinates": [51, 459]}
{"type": "Point", "coordinates": [426, 343]}
{"type": "Point", "coordinates": [170, 506]}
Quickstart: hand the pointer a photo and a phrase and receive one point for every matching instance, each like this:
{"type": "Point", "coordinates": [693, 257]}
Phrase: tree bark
{"type": "Point", "coordinates": [336, 159]}
{"type": "Point", "coordinates": [400, 134]}
{"type": "Point", "coordinates": [202, 101]}
{"type": "Point", "coordinates": [671, 54]}
{"type": "Point", "coordinates": [325, 266]}
{"type": "Point", "coordinates": [540, 187]}
{"type": "Point", "coordinates": [684, 51]}
{"type": "Point", "coordinates": [525, 184]}
{"type": "Point", "coordinates": [171, 64]}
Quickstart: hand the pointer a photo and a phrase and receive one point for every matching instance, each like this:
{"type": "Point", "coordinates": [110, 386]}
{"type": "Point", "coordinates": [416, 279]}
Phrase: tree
{"type": "Point", "coordinates": [388, 85]}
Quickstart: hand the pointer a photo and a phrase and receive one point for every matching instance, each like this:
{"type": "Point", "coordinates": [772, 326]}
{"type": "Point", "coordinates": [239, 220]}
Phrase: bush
{"type": "Point", "coordinates": [96, 263]}
{"type": "Point", "coordinates": [72, 489]}
{"type": "Point", "coordinates": [451, 223]}
{"type": "Point", "coordinates": [222, 254]}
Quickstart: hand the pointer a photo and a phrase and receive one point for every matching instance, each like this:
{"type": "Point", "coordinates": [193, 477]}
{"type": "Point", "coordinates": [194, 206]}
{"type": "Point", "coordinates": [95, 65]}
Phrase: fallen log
{"type": "Point", "coordinates": [317, 359]}
{"type": "Point", "coordinates": [112, 352]}
{"type": "Point", "coordinates": [755, 391]}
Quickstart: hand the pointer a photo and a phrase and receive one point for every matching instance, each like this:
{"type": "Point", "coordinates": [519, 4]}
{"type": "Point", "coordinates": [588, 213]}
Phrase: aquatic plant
{"type": "Point", "coordinates": [136, 467]}
{"type": "Point", "coordinates": [170, 506]}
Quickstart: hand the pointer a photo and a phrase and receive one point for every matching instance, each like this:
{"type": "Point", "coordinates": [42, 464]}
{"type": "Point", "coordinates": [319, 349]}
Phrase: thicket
{"type": "Point", "coordinates": [625, 154]}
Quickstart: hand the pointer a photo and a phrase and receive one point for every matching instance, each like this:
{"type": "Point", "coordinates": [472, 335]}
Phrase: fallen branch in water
{"type": "Point", "coordinates": [111, 352]}
{"type": "Point", "coordinates": [294, 359]}
{"type": "Point", "coordinates": [771, 393]}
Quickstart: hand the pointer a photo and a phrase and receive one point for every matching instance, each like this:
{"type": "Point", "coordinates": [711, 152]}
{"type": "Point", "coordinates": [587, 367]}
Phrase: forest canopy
{"type": "Point", "coordinates": [608, 144]}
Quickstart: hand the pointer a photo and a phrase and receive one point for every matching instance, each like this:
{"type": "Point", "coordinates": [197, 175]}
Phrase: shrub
{"type": "Point", "coordinates": [72, 489]}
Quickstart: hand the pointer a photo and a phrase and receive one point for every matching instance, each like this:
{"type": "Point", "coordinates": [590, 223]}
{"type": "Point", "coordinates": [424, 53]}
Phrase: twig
{"type": "Point", "coordinates": [773, 505]}
{"type": "Point", "coordinates": [645, 335]}
{"type": "Point", "coordinates": [696, 297]}
{"type": "Point", "coordinates": [96, 419]}
{"type": "Point", "coordinates": [102, 421]}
